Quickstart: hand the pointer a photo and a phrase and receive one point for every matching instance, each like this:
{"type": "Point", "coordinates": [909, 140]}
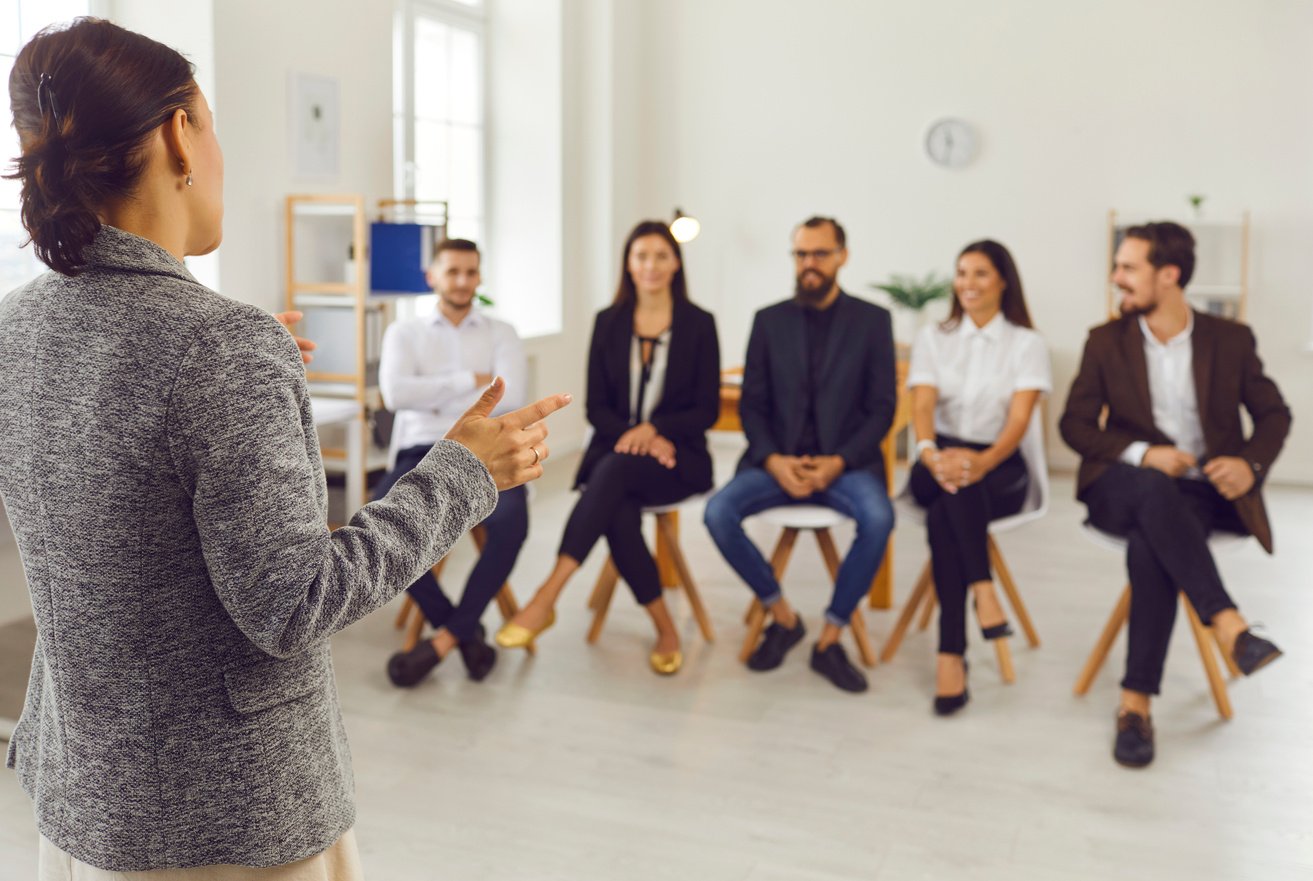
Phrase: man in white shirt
{"type": "Point", "coordinates": [431, 370]}
{"type": "Point", "coordinates": [1170, 462]}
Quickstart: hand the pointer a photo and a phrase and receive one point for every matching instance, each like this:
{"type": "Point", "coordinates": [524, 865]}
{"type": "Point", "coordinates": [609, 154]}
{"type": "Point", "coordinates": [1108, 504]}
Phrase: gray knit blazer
{"type": "Point", "coordinates": [162, 474]}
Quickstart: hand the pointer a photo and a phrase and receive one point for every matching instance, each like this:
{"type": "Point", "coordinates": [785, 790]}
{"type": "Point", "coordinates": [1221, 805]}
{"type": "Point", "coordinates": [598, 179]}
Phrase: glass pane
{"type": "Point", "coordinates": [36, 14]}
{"type": "Point", "coordinates": [9, 34]}
{"type": "Point", "coordinates": [432, 60]}
{"type": "Point", "coordinates": [432, 158]}
{"type": "Point", "coordinates": [9, 149]}
{"type": "Point", "coordinates": [466, 101]}
{"type": "Point", "coordinates": [17, 266]}
{"type": "Point", "coordinates": [466, 171]}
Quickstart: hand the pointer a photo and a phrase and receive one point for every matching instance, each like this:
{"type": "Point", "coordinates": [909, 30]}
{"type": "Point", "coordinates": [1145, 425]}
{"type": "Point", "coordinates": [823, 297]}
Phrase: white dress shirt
{"type": "Point", "coordinates": [427, 369]}
{"type": "Point", "coordinates": [976, 371]}
{"type": "Point", "coordinates": [656, 380]}
{"type": "Point", "coordinates": [1172, 393]}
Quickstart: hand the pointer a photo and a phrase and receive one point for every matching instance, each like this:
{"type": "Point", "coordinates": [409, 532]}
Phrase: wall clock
{"type": "Point", "coordinates": [951, 142]}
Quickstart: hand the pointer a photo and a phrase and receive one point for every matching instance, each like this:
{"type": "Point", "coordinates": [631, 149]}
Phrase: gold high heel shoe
{"type": "Point", "coordinates": [666, 663]}
{"type": "Point", "coordinates": [515, 636]}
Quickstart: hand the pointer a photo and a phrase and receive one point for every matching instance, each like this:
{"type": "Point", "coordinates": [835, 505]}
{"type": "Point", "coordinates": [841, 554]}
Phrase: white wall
{"type": "Point", "coordinates": [257, 44]}
{"type": "Point", "coordinates": [757, 113]}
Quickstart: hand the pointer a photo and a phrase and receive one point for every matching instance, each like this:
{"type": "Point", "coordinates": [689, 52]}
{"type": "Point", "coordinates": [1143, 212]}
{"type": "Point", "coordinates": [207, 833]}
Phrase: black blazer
{"type": "Point", "coordinates": [690, 401]}
{"type": "Point", "coordinates": [858, 384]}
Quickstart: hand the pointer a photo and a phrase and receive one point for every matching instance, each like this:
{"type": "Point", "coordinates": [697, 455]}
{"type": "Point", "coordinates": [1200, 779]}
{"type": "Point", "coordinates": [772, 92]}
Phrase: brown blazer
{"type": "Point", "coordinates": [1227, 373]}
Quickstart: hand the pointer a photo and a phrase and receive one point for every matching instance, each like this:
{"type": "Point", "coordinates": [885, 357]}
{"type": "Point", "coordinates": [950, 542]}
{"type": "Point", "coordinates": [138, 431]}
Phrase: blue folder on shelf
{"type": "Point", "coordinates": [399, 254]}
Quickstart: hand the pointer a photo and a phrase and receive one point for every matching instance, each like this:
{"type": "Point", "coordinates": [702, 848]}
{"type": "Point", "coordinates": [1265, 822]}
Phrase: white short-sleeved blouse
{"type": "Point", "coordinates": [976, 370]}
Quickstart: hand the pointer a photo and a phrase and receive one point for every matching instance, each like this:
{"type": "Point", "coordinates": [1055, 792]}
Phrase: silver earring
{"type": "Point", "coordinates": [189, 180]}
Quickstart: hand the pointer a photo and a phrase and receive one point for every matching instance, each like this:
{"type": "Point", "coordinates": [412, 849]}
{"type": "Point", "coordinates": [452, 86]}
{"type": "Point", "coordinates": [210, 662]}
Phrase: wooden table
{"type": "Point", "coordinates": [882, 588]}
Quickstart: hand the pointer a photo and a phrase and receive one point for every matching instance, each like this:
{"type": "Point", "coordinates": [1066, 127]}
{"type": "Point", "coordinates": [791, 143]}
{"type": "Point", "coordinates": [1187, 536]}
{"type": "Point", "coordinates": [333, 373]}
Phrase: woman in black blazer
{"type": "Point", "coordinates": [653, 391]}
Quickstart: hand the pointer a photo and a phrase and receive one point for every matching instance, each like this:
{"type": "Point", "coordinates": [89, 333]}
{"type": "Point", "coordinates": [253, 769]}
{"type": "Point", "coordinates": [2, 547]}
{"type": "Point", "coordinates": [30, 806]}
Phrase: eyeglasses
{"type": "Point", "coordinates": [822, 254]}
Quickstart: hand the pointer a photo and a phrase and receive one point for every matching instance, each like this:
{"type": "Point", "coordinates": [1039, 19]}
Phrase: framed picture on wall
{"type": "Point", "coordinates": [314, 117]}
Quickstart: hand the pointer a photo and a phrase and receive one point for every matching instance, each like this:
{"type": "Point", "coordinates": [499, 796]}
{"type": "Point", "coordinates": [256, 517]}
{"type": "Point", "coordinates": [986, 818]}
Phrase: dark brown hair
{"type": "Point", "coordinates": [1013, 303]}
{"type": "Point", "coordinates": [816, 221]}
{"type": "Point", "coordinates": [455, 245]}
{"type": "Point", "coordinates": [1170, 244]}
{"type": "Point", "coordinates": [86, 99]}
{"type": "Point", "coordinates": [626, 293]}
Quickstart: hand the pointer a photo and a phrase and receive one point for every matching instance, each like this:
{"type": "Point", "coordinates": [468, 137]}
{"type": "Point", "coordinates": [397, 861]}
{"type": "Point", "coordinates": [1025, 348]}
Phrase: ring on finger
{"type": "Point", "coordinates": [536, 456]}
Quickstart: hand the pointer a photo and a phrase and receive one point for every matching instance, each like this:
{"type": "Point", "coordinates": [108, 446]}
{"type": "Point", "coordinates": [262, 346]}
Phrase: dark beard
{"type": "Point", "coordinates": [1137, 311]}
{"type": "Point", "coordinates": [813, 296]}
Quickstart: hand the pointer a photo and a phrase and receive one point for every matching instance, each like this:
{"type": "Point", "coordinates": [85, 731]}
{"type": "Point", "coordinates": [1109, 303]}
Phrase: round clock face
{"type": "Point", "coordinates": [951, 143]}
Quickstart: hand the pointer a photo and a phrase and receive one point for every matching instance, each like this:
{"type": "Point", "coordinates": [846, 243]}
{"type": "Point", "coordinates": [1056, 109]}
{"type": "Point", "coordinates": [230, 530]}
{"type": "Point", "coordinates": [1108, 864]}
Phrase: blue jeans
{"type": "Point", "coordinates": [859, 495]}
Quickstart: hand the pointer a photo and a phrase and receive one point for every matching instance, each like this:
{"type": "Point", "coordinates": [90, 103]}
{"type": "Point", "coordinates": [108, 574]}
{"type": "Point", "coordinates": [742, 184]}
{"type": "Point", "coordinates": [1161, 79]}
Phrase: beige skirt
{"type": "Point", "coordinates": [341, 862]}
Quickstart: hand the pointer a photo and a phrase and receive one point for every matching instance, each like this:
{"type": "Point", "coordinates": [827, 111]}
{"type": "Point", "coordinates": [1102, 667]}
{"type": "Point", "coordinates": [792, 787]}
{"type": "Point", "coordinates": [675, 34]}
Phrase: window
{"type": "Point", "coordinates": [19, 22]}
{"type": "Point", "coordinates": [438, 109]}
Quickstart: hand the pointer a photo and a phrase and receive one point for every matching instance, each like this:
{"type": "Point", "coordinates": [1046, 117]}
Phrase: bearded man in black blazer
{"type": "Point", "coordinates": [1155, 415]}
{"type": "Point", "coordinates": [818, 397]}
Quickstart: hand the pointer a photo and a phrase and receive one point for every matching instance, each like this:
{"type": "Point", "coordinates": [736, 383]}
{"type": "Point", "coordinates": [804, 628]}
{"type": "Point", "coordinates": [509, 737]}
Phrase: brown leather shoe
{"type": "Point", "coordinates": [1134, 745]}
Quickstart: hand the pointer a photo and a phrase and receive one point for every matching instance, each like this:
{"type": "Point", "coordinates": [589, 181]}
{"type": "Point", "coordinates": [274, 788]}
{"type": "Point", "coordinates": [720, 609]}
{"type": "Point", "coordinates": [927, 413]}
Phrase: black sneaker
{"type": "Point", "coordinates": [407, 669]}
{"type": "Point", "coordinates": [479, 657]}
{"type": "Point", "coordinates": [775, 645]}
{"type": "Point", "coordinates": [1134, 745]}
{"type": "Point", "coordinates": [1251, 652]}
{"type": "Point", "coordinates": [833, 664]}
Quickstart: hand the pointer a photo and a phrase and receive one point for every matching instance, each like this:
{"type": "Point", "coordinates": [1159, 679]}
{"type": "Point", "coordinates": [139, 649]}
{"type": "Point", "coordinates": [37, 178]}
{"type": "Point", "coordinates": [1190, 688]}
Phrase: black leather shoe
{"type": "Point", "coordinates": [950, 704]}
{"type": "Point", "coordinates": [1134, 745]}
{"type": "Point", "coordinates": [407, 669]}
{"type": "Point", "coordinates": [1252, 652]}
{"type": "Point", "coordinates": [478, 656]}
{"type": "Point", "coordinates": [833, 664]}
{"type": "Point", "coordinates": [775, 645]}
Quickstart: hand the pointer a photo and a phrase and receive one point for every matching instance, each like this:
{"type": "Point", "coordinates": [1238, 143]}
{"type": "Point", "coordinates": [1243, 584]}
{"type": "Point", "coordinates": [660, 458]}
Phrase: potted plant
{"type": "Point", "coordinates": [910, 295]}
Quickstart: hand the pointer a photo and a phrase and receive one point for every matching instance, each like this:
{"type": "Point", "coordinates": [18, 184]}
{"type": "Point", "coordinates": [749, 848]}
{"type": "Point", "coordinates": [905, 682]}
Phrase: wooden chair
{"type": "Point", "coordinates": [793, 519]}
{"type": "Point", "coordinates": [667, 522]}
{"type": "Point", "coordinates": [411, 620]}
{"type": "Point", "coordinates": [1036, 506]}
{"type": "Point", "coordinates": [1205, 638]}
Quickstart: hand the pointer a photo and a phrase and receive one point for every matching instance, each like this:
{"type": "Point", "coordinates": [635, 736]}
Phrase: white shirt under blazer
{"type": "Point", "coordinates": [976, 371]}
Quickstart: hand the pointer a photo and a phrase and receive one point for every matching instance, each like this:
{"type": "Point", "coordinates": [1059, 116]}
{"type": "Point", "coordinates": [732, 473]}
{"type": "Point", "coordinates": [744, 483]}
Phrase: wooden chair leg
{"type": "Point", "coordinates": [1211, 669]}
{"type": "Point", "coordinates": [756, 615]}
{"type": "Point", "coordinates": [403, 614]}
{"type": "Point", "coordinates": [1014, 596]}
{"type": "Point", "coordinates": [667, 540]}
{"type": "Point", "coordinates": [857, 624]}
{"type": "Point", "coordinates": [1106, 638]}
{"type": "Point", "coordinates": [928, 610]}
{"type": "Point", "coordinates": [756, 618]}
{"type": "Point", "coordinates": [602, 593]}
{"type": "Point", "coordinates": [1004, 653]}
{"type": "Point", "coordinates": [666, 527]}
{"type": "Point", "coordinates": [914, 601]}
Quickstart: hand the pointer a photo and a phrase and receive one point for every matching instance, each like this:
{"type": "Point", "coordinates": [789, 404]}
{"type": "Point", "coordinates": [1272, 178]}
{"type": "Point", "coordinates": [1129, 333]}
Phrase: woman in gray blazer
{"type": "Point", "coordinates": [161, 470]}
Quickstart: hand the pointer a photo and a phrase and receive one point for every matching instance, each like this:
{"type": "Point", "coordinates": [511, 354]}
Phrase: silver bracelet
{"type": "Point", "coordinates": [927, 444]}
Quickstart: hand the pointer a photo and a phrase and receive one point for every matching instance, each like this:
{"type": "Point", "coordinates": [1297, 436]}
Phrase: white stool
{"type": "Point", "coordinates": [819, 520]}
{"type": "Point", "coordinates": [667, 522]}
{"type": "Point", "coordinates": [1205, 638]}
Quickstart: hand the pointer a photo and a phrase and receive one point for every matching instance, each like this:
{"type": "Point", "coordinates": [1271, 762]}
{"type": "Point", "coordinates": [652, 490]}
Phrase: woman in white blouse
{"type": "Point", "coordinates": [653, 391]}
{"type": "Point", "coordinates": [975, 380]}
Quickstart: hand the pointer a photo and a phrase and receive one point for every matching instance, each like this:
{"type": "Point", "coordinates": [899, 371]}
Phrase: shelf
{"type": "Point", "coordinates": [334, 208]}
{"type": "Point", "coordinates": [1216, 291]}
{"type": "Point", "coordinates": [334, 301]}
{"type": "Point", "coordinates": [340, 288]}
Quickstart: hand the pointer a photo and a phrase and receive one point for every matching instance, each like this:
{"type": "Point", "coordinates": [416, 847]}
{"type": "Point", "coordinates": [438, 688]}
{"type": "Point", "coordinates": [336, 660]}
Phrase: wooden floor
{"type": "Point", "coordinates": [581, 764]}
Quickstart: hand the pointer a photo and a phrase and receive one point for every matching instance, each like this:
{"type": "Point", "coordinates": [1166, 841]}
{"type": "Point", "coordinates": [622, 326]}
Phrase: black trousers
{"type": "Point", "coordinates": [957, 526]}
{"type": "Point", "coordinates": [506, 529]}
{"type": "Point", "coordinates": [618, 488]}
{"type": "Point", "coordinates": [1165, 523]}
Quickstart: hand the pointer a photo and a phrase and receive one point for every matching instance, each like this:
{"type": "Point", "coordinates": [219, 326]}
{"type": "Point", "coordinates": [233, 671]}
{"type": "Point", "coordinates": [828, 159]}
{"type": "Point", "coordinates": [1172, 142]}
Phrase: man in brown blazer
{"type": "Point", "coordinates": [1155, 415]}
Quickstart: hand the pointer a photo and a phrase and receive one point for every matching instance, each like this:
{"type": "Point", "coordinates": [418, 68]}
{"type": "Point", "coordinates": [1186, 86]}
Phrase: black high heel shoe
{"type": "Point", "coordinates": [998, 631]}
{"type": "Point", "coordinates": [947, 706]}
